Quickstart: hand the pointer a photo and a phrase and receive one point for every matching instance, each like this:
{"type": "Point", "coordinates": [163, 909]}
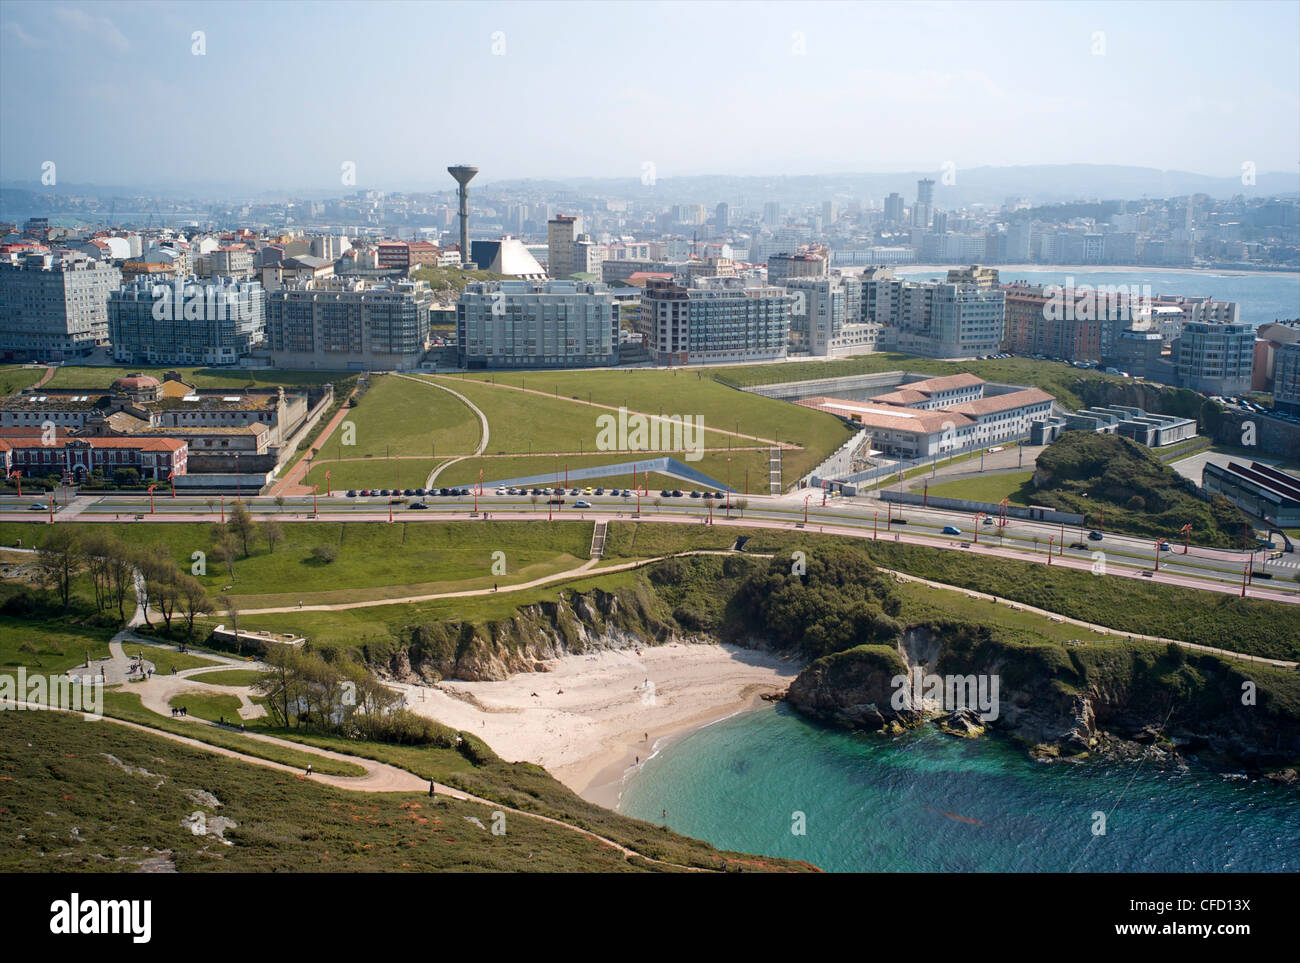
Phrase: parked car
{"type": "Point", "coordinates": [666, 493]}
{"type": "Point", "coordinates": [988, 520]}
{"type": "Point", "coordinates": [677, 493]}
{"type": "Point", "coordinates": [695, 494]}
{"type": "Point", "coordinates": [600, 491]}
{"type": "Point", "coordinates": [365, 493]}
{"type": "Point", "coordinates": [501, 491]}
{"type": "Point", "coordinates": [951, 530]}
{"type": "Point", "coordinates": [444, 491]}
{"type": "Point", "coordinates": [421, 492]}
{"type": "Point", "coordinates": [408, 492]}
{"type": "Point", "coordinates": [1164, 547]}
{"type": "Point", "coordinates": [627, 493]}
{"type": "Point", "coordinates": [352, 493]}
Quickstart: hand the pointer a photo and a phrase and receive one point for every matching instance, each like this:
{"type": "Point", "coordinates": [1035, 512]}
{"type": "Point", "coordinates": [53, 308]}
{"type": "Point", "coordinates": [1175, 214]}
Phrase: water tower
{"type": "Point", "coordinates": [463, 176]}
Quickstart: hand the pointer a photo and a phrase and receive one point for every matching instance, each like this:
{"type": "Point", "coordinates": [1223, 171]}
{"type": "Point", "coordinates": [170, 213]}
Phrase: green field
{"type": "Point", "coordinates": [52, 645]}
{"type": "Point", "coordinates": [373, 559]}
{"type": "Point", "coordinates": [15, 377]}
{"type": "Point", "coordinates": [551, 424]}
{"type": "Point", "coordinates": [378, 472]}
{"type": "Point", "coordinates": [397, 416]}
{"type": "Point", "coordinates": [989, 488]}
{"type": "Point", "coordinates": [214, 707]}
{"type": "Point", "coordinates": [234, 677]}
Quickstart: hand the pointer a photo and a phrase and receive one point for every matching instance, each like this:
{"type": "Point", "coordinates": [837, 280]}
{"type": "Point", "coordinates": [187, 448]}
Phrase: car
{"type": "Point", "coordinates": [416, 506]}
{"type": "Point", "coordinates": [677, 493]}
{"type": "Point", "coordinates": [666, 493]}
{"type": "Point", "coordinates": [575, 491]}
{"type": "Point", "coordinates": [421, 492]}
{"type": "Point", "coordinates": [555, 500]}
{"type": "Point", "coordinates": [1094, 536]}
{"type": "Point", "coordinates": [387, 492]}
{"type": "Point", "coordinates": [587, 491]}
{"type": "Point", "coordinates": [719, 494]}
{"type": "Point", "coordinates": [352, 493]}
{"type": "Point", "coordinates": [535, 491]}
{"type": "Point", "coordinates": [627, 493]}
{"type": "Point", "coordinates": [444, 491]}
{"type": "Point", "coordinates": [37, 507]}
{"type": "Point", "coordinates": [708, 495]}
{"type": "Point", "coordinates": [365, 493]}
{"type": "Point", "coordinates": [951, 530]}
{"type": "Point", "coordinates": [580, 503]}
{"type": "Point", "coordinates": [600, 491]}
{"type": "Point", "coordinates": [988, 520]}
{"type": "Point", "coordinates": [408, 492]}
{"type": "Point", "coordinates": [1164, 547]}
{"type": "Point", "coordinates": [501, 491]}
{"type": "Point", "coordinates": [695, 494]}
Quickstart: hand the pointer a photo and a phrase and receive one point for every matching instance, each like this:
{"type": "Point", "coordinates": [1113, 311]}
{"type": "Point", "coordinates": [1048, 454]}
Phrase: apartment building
{"type": "Point", "coordinates": [537, 324]}
{"type": "Point", "coordinates": [54, 305]}
{"type": "Point", "coordinates": [716, 320]}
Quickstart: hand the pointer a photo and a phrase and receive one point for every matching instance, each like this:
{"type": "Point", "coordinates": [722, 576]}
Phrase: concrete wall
{"type": "Point", "coordinates": [962, 505]}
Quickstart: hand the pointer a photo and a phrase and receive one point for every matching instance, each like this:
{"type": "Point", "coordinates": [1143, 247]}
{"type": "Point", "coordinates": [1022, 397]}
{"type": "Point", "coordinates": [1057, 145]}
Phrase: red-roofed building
{"type": "Point", "coordinates": [78, 457]}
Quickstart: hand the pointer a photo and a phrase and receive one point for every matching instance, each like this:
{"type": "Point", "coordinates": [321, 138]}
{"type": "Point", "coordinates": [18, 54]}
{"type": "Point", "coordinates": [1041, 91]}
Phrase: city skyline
{"type": "Point", "coordinates": [807, 88]}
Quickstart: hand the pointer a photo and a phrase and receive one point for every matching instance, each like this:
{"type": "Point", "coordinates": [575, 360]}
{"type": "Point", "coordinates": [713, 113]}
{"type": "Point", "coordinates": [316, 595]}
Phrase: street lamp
{"type": "Point", "coordinates": [151, 488]}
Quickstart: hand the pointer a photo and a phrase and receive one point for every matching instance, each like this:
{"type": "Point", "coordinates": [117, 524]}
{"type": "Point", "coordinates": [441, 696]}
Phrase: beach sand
{"type": "Point", "coordinates": [593, 719]}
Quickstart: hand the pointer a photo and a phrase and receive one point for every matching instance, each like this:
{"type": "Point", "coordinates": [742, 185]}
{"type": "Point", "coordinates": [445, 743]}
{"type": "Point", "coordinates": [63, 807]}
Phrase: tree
{"type": "Point", "coordinates": [121, 574]}
{"type": "Point", "coordinates": [324, 553]}
{"type": "Point", "coordinates": [272, 533]}
{"type": "Point", "coordinates": [742, 504]}
{"type": "Point", "coordinates": [279, 503]}
{"type": "Point", "coordinates": [241, 524]}
{"type": "Point", "coordinates": [97, 546]}
{"type": "Point", "coordinates": [193, 600]}
{"type": "Point", "coordinates": [225, 549]}
{"type": "Point", "coordinates": [232, 611]}
{"type": "Point", "coordinates": [58, 560]}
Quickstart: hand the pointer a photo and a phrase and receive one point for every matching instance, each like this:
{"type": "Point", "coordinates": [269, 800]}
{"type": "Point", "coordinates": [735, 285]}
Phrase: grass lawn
{"type": "Point", "coordinates": [211, 707]}
{"type": "Point", "coordinates": [379, 472]}
{"type": "Point", "coordinates": [165, 659]}
{"type": "Point", "coordinates": [96, 376]}
{"type": "Point", "coordinates": [990, 488]}
{"type": "Point", "coordinates": [15, 377]}
{"type": "Point", "coordinates": [554, 424]}
{"type": "Point", "coordinates": [922, 602]}
{"type": "Point", "coordinates": [49, 646]}
{"type": "Point", "coordinates": [397, 416]}
{"type": "Point", "coordinates": [713, 464]}
{"type": "Point", "coordinates": [415, 559]}
{"type": "Point", "coordinates": [235, 677]}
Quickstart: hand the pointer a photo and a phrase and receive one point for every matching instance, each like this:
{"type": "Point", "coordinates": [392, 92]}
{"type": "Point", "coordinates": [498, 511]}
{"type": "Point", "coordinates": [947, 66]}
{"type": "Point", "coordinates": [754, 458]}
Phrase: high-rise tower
{"type": "Point", "coordinates": [463, 176]}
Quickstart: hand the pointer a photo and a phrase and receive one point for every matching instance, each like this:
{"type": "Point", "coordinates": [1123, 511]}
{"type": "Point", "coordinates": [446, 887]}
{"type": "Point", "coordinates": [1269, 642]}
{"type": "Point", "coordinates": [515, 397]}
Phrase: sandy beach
{"type": "Point", "coordinates": [593, 719]}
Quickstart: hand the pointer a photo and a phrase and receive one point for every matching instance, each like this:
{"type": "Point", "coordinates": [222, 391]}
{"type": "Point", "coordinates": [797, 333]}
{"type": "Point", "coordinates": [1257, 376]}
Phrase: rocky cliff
{"type": "Point", "coordinates": [577, 623]}
{"type": "Point", "coordinates": [1063, 702]}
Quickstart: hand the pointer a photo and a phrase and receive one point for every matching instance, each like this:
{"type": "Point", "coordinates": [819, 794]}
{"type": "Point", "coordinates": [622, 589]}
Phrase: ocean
{"type": "Point", "coordinates": [1263, 297]}
{"type": "Point", "coordinates": [927, 802]}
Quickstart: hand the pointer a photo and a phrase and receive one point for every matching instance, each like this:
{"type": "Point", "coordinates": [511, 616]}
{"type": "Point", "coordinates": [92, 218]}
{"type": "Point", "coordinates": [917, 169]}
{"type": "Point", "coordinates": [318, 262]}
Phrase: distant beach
{"type": "Point", "coordinates": [590, 716]}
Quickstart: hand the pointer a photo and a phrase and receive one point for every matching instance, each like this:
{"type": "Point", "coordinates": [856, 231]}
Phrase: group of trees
{"type": "Point", "coordinates": [305, 690]}
{"type": "Point", "coordinates": [119, 573]}
{"type": "Point", "coordinates": [821, 602]}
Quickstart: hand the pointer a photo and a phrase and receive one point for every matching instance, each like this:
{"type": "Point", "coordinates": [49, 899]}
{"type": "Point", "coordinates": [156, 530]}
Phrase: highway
{"type": "Point", "coordinates": [1213, 569]}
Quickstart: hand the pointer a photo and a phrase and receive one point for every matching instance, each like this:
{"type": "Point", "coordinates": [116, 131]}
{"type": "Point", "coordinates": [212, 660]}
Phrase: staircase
{"type": "Point", "coordinates": [774, 471]}
{"type": "Point", "coordinates": [598, 540]}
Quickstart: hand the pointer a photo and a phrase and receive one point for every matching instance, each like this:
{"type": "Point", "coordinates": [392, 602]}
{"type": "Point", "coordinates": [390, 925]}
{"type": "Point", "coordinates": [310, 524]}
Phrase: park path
{"type": "Point", "coordinates": [290, 484]}
{"type": "Point", "coordinates": [45, 378]}
{"type": "Point", "coordinates": [484, 434]}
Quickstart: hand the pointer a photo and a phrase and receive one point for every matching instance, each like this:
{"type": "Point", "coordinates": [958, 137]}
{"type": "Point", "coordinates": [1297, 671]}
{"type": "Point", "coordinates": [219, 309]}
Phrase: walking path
{"type": "Point", "coordinates": [290, 484]}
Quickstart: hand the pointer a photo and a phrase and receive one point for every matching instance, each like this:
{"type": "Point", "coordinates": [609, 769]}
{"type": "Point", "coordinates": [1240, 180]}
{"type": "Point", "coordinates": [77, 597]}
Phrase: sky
{"type": "Point", "coordinates": [277, 96]}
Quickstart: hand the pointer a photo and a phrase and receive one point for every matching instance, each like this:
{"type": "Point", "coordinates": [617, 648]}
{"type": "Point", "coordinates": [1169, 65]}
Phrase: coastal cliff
{"type": "Point", "coordinates": [1064, 702]}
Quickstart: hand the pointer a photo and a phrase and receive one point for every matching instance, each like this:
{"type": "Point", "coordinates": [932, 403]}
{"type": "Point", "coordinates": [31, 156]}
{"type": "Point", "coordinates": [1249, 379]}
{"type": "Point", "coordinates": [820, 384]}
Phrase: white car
{"type": "Point", "coordinates": [501, 491]}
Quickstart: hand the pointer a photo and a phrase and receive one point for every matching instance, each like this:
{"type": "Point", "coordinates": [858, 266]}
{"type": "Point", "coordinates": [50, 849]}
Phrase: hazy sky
{"type": "Point", "coordinates": [288, 92]}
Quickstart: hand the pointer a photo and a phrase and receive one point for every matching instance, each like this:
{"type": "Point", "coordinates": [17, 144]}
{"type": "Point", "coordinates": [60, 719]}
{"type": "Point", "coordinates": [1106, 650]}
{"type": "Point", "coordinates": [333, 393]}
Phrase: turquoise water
{"type": "Point", "coordinates": [926, 802]}
{"type": "Point", "coordinates": [1263, 297]}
